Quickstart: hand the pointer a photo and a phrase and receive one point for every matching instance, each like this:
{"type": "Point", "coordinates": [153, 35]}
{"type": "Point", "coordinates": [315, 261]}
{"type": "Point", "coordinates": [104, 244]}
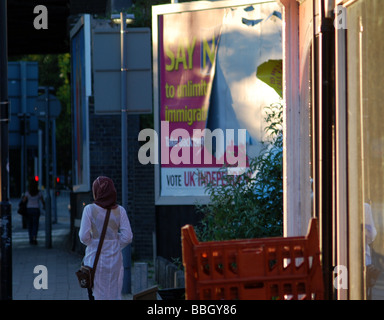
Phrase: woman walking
{"type": "Point", "coordinates": [108, 279]}
{"type": "Point", "coordinates": [33, 196]}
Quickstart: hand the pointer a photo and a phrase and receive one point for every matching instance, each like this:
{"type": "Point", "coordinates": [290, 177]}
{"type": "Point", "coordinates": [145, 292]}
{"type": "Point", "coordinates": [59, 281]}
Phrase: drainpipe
{"type": "Point", "coordinates": [325, 108]}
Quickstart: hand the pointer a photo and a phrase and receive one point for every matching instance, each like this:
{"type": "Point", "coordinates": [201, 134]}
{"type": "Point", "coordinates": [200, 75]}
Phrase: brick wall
{"type": "Point", "coordinates": [105, 159]}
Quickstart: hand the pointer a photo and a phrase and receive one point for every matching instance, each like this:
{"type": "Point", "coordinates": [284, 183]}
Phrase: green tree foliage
{"type": "Point", "coordinates": [63, 122]}
{"type": "Point", "coordinates": [143, 11]}
{"type": "Point", "coordinates": [249, 205]}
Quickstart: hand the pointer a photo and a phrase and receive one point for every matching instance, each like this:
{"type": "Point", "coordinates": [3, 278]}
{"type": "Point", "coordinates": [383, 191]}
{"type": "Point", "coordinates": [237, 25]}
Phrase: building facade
{"type": "Point", "coordinates": [333, 142]}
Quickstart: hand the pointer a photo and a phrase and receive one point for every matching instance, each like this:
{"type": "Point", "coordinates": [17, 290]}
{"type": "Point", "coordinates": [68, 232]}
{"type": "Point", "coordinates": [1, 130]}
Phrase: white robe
{"type": "Point", "coordinates": [109, 274]}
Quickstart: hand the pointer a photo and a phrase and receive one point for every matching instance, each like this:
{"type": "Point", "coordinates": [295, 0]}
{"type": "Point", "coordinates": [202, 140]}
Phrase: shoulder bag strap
{"type": "Point", "coordinates": [101, 240]}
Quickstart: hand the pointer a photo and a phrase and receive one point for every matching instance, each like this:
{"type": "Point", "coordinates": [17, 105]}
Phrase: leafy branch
{"type": "Point", "coordinates": [249, 205]}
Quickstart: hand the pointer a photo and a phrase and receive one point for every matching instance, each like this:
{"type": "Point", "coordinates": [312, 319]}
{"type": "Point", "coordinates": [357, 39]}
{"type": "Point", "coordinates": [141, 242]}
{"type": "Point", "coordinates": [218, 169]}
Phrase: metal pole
{"type": "Point", "coordinates": [48, 222]}
{"type": "Point", "coordinates": [124, 140]}
{"type": "Point", "coordinates": [40, 160]}
{"type": "Point", "coordinates": [54, 171]}
{"type": "Point", "coordinates": [5, 206]}
{"type": "Point", "coordinates": [23, 122]}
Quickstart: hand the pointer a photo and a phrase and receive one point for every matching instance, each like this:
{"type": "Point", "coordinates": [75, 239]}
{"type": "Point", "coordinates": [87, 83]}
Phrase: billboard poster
{"type": "Point", "coordinates": [188, 48]}
{"type": "Point", "coordinates": [80, 52]}
{"type": "Point", "coordinates": [210, 101]}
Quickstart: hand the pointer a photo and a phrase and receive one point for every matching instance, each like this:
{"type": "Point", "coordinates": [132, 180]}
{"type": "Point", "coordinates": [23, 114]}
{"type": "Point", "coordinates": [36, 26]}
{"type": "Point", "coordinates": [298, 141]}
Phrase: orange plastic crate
{"type": "Point", "coordinates": [253, 269]}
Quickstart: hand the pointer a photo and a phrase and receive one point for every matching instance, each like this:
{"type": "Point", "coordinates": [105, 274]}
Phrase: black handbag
{"type": "Point", "coordinates": [22, 208]}
{"type": "Point", "coordinates": [86, 274]}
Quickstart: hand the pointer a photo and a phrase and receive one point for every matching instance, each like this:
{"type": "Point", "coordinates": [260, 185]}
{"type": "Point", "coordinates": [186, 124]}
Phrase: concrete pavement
{"type": "Point", "coordinates": [61, 282]}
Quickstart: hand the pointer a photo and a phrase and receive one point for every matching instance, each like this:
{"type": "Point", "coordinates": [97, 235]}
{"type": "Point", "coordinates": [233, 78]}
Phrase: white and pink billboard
{"type": "Point", "coordinates": [208, 100]}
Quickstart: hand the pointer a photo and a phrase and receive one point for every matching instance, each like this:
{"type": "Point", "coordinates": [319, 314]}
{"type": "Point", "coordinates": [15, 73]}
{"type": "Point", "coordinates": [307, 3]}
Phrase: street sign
{"type": "Point", "coordinates": [107, 70]}
{"type": "Point", "coordinates": [23, 78]}
{"type": "Point", "coordinates": [41, 105]}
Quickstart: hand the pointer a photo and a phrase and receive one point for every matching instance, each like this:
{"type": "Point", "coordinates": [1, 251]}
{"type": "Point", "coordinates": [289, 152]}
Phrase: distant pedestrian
{"type": "Point", "coordinates": [33, 197]}
{"type": "Point", "coordinates": [108, 279]}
